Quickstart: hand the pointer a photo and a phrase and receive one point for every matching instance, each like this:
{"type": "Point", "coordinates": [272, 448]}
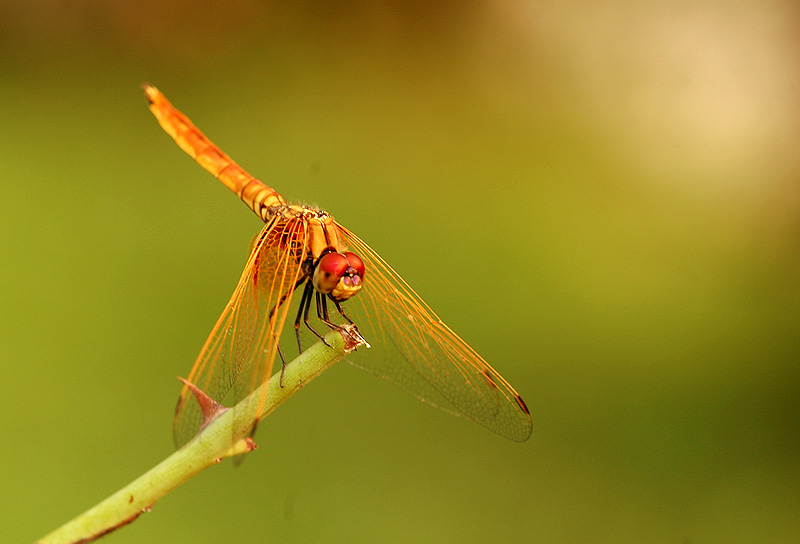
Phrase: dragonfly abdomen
{"type": "Point", "coordinates": [253, 192]}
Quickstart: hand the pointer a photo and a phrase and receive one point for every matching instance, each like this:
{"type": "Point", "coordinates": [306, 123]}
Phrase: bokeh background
{"type": "Point", "coordinates": [602, 198]}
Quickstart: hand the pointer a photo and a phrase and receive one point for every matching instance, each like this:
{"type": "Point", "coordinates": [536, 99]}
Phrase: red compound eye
{"type": "Point", "coordinates": [330, 269]}
{"type": "Point", "coordinates": [333, 263]}
{"type": "Point", "coordinates": [356, 262]}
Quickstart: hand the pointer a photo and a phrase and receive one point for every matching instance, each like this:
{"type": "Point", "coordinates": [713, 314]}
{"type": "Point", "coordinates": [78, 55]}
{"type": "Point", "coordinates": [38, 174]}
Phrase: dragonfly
{"type": "Point", "coordinates": [302, 249]}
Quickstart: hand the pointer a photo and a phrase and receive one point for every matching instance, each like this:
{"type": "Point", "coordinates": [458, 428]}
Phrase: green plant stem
{"type": "Point", "coordinates": [210, 446]}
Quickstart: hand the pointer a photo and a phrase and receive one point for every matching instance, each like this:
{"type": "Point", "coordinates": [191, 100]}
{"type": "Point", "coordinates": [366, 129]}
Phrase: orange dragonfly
{"type": "Point", "coordinates": [302, 248]}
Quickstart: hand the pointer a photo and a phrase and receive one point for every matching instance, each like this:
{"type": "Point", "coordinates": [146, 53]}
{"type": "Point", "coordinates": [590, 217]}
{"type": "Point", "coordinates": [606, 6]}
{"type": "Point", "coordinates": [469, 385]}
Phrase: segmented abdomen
{"type": "Point", "coordinates": [253, 192]}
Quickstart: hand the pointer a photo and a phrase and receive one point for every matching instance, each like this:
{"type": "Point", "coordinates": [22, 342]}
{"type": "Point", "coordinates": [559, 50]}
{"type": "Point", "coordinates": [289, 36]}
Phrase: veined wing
{"type": "Point", "coordinates": [415, 350]}
{"type": "Point", "coordinates": [241, 349]}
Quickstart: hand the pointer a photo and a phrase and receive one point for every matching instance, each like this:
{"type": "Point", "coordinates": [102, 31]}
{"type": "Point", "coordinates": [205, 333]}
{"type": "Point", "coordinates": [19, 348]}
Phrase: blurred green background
{"type": "Point", "coordinates": [602, 199]}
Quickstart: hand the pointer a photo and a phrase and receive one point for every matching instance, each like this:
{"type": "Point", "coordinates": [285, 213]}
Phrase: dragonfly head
{"type": "Point", "coordinates": [339, 275]}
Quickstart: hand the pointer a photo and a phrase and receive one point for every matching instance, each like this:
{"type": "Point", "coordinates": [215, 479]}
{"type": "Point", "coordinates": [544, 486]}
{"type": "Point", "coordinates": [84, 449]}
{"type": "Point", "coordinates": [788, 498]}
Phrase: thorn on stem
{"type": "Point", "coordinates": [211, 409]}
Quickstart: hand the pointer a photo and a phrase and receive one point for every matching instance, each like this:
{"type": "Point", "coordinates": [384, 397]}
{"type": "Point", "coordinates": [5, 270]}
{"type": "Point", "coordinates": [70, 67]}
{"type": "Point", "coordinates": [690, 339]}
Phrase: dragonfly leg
{"type": "Point", "coordinates": [271, 313]}
{"type": "Point", "coordinates": [283, 298]}
{"type": "Point", "coordinates": [304, 309]}
{"type": "Point", "coordinates": [283, 361]}
{"type": "Point", "coordinates": [344, 315]}
{"type": "Point", "coordinates": [305, 303]}
{"type": "Point", "coordinates": [341, 311]}
{"type": "Point", "coordinates": [324, 316]}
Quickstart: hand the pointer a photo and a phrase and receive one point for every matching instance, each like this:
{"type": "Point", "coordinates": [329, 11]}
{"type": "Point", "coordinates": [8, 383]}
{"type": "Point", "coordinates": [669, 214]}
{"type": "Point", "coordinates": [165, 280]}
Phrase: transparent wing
{"type": "Point", "coordinates": [239, 353]}
{"type": "Point", "coordinates": [415, 350]}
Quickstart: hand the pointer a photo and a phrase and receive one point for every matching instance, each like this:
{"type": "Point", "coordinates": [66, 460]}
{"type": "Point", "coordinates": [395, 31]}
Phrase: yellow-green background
{"type": "Point", "coordinates": [601, 198]}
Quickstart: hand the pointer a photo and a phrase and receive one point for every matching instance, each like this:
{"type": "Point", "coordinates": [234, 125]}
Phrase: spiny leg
{"type": "Point", "coordinates": [341, 311]}
{"type": "Point", "coordinates": [306, 310]}
{"type": "Point", "coordinates": [322, 313]}
{"type": "Point", "coordinates": [324, 316]}
{"type": "Point", "coordinates": [305, 302]}
{"type": "Point", "coordinates": [344, 315]}
{"type": "Point", "coordinates": [303, 311]}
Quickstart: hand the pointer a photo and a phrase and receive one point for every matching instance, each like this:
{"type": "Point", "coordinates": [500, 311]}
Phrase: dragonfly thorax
{"type": "Point", "coordinates": [333, 270]}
